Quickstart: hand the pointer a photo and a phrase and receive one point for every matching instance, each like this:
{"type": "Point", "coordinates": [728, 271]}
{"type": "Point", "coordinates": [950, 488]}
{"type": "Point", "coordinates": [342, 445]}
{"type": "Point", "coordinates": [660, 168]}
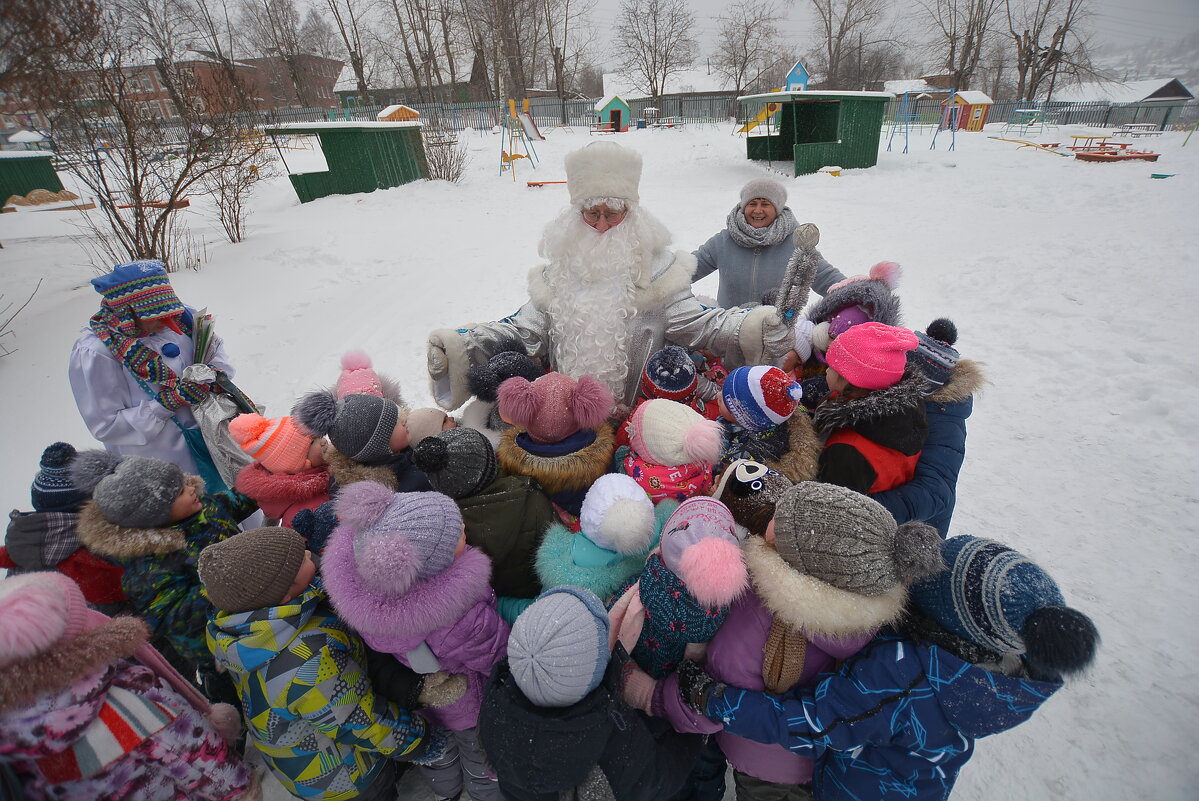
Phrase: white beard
{"type": "Point", "coordinates": [593, 280]}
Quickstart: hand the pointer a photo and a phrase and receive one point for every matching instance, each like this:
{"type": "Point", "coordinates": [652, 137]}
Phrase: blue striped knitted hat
{"type": "Point", "coordinates": [760, 397]}
{"type": "Point", "coordinates": [53, 490]}
{"type": "Point", "coordinates": [987, 593]}
{"type": "Point", "coordinates": [140, 286]}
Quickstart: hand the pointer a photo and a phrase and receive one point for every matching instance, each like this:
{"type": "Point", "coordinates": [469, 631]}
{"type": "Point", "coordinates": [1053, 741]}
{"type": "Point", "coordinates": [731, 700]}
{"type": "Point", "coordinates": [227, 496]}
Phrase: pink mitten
{"type": "Point", "coordinates": [637, 688]}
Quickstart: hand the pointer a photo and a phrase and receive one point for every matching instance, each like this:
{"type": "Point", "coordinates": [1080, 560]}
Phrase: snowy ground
{"type": "Point", "coordinates": [1075, 284]}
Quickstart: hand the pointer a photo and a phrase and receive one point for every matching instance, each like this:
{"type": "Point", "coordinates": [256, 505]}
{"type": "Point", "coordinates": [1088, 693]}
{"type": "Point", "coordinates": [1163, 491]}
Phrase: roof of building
{"type": "Point", "coordinates": [916, 85]}
{"type": "Point", "coordinates": [683, 82]}
{"type": "Point", "coordinates": [1124, 92]}
{"type": "Point", "coordinates": [973, 97]}
{"type": "Point", "coordinates": [604, 101]}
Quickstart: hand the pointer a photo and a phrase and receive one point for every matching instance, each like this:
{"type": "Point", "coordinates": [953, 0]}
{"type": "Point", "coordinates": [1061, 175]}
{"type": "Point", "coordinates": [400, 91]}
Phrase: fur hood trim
{"type": "Point", "coordinates": [812, 606]}
{"type": "Point", "coordinates": [480, 415]}
{"type": "Point", "coordinates": [874, 294]}
{"type": "Point", "coordinates": [556, 567]}
{"type": "Point", "coordinates": [345, 471]}
{"type": "Point", "coordinates": [120, 543]}
{"type": "Point", "coordinates": [671, 273]}
{"type": "Point", "coordinates": [965, 382]}
{"type": "Point", "coordinates": [908, 394]}
{"type": "Point", "coordinates": [801, 462]}
{"type": "Point", "coordinates": [428, 605]}
{"type": "Point", "coordinates": [22, 682]}
{"type": "Point", "coordinates": [571, 471]}
{"type": "Point", "coordinates": [257, 482]}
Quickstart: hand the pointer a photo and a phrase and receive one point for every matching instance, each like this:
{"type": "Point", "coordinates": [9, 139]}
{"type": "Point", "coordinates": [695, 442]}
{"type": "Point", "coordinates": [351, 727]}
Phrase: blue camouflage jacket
{"type": "Point", "coordinates": [898, 720]}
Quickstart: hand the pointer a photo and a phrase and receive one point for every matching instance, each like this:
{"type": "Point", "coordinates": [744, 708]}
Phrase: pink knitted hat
{"type": "Point", "coordinates": [554, 406]}
{"type": "Point", "coordinates": [872, 355]}
{"type": "Point", "coordinates": [357, 376]}
{"type": "Point", "coordinates": [38, 610]}
{"type": "Point", "coordinates": [701, 544]}
{"type": "Point", "coordinates": [279, 444]}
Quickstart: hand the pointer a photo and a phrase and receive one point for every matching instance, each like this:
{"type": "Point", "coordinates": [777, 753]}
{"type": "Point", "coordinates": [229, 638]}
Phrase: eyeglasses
{"type": "Point", "coordinates": [611, 216]}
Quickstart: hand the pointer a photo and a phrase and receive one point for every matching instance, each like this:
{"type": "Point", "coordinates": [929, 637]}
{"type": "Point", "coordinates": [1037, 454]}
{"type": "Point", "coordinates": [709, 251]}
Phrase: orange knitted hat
{"type": "Point", "coordinates": [278, 444]}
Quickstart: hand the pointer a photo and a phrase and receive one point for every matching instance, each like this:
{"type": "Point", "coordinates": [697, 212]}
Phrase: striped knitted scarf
{"type": "Point", "coordinates": [119, 333]}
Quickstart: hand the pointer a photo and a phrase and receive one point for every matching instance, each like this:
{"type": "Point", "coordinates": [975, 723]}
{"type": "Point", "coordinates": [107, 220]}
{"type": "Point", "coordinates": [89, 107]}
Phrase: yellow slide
{"type": "Point", "coordinates": [767, 111]}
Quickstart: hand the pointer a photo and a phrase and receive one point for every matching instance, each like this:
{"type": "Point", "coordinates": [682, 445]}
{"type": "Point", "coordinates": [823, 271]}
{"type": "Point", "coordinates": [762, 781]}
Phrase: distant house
{"type": "Point", "coordinates": [614, 112]}
{"type": "Point", "coordinates": [1158, 90]}
{"type": "Point", "coordinates": [966, 110]}
{"type": "Point", "coordinates": [398, 113]}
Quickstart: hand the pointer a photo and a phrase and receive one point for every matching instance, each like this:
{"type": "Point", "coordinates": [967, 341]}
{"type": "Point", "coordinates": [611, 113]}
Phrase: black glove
{"type": "Point", "coordinates": [696, 686]}
{"type": "Point", "coordinates": [815, 390]}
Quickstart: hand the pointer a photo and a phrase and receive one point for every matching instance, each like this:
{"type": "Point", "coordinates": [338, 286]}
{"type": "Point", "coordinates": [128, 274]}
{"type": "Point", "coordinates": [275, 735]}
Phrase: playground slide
{"type": "Point", "coordinates": [763, 115]}
{"type": "Point", "coordinates": [526, 122]}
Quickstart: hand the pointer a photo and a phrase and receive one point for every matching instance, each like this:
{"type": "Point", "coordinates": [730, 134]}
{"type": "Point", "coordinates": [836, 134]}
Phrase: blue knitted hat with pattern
{"type": "Point", "coordinates": [987, 594]}
{"type": "Point", "coordinates": [53, 490]}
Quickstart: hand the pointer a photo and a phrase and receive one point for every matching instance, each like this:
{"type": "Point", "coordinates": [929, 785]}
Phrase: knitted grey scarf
{"type": "Point", "coordinates": [747, 236]}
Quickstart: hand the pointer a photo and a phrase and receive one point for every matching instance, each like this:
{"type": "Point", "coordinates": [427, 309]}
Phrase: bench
{"type": "Point", "coordinates": [602, 128]}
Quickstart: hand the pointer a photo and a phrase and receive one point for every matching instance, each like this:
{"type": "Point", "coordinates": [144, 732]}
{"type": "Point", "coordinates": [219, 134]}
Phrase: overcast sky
{"type": "Point", "coordinates": [1115, 21]}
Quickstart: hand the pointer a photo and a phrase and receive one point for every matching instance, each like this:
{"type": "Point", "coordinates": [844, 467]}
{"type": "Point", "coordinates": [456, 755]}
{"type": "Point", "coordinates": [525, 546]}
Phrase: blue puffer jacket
{"type": "Point", "coordinates": [898, 720]}
{"type": "Point", "coordinates": [746, 274]}
{"type": "Point", "coordinates": [932, 492]}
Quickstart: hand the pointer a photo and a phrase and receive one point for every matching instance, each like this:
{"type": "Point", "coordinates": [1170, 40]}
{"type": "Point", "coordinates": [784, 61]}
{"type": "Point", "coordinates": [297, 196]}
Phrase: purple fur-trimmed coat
{"type": "Point", "coordinates": [453, 612]}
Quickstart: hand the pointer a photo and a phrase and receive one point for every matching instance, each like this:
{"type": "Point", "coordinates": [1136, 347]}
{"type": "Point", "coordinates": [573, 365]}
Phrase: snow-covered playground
{"type": "Point", "coordinates": [1075, 284]}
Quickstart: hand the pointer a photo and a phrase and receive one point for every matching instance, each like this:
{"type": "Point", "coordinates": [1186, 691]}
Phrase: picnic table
{"type": "Point", "coordinates": [602, 128]}
{"type": "Point", "coordinates": [667, 122]}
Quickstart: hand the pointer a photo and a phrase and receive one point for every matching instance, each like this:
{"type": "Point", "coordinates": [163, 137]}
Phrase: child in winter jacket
{"type": "Point", "coordinates": [948, 402]}
{"type": "Point", "coordinates": [505, 516]}
{"type": "Point", "coordinates": [853, 301]}
{"type": "Point", "coordinates": [147, 516]}
{"type": "Point", "coordinates": [618, 527]}
{"type": "Point", "coordinates": [511, 360]}
{"type": "Point", "coordinates": [288, 473]}
{"type": "Point", "coordinates": [683, 593]}
{"type": "Point", "coordinates": [299, 673]}
{"type": "Point", "coordinates": [985, 644]}
{"type": "Point", "coordinates": [47, 539]}
{"type": "Point", "coordinates": [365, 420]}
{"type": "Point", "coordinates": [671, 374]}
{"type": "Point", "coordinates": [873, 422]}
{"type": "Point", "coordinates": [400, 573]}
{"type": "Point", "coordinates": [559, 437]}
{"type": "Point", "coordinates": [553, 722]}
{"type": "Point", "coordinates": [88, 710]}
{"type": "Point", "coordinates": [757, 408]}
{"type": "Point", "coordinates": [672, 449]}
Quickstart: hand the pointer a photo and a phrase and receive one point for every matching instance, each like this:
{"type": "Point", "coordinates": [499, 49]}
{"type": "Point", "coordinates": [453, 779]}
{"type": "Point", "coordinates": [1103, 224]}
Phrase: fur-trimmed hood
{"type": "Point", "coordinates": [121, 543]}
{"type": "Point", "coordinates": [964, 382]}
{"type": "Point", "coordinates": [264, 486]}
{"type": "Point", "coordinates": [874, 294]}
{"type": "Point", "coordinates": [565, 473]}
{"type": "Point", "coordinates": [23, 681]}
{"type": "Point", "coordinates": [344, 471]}
{"type": "Point", "coordinates": [812, 606]}
{"type": "Point", "coordinates": [671, 273]}
{"type": "Point", "coordinates": [881, 405]}
{"type": "Point", "coordinates": [801, 462]}
{"type": "Point", "coordinates": [428, 605]}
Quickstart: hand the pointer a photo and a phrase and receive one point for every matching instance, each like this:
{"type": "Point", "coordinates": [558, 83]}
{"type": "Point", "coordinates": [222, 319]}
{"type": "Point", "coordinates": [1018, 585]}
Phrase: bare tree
{"type": "Point", "coordinates": [1047, 39]}
{"type": "Point", "coordinates": [747, 41]}
{"type": "Point", "coordinates": [961, 30]}
{"type": "Point", "coordinates": [215, 37]}
{"type": "Point", "coordinates": [318, 37]}
{"type": "Point", "coordinates": [350, 19]}
{"type": "Point", "coordinates": [568, 37]}
{"type": "Point", "coordinates": [272, 28]}
{"type": "Point", "coordinates": [847, 27]}
{"type": "Point", "coordinates": [139, 166]}
{"type": "Point", "coordinates": [654, 41]}
{"type": "Point", "coordinates": [33, 29]}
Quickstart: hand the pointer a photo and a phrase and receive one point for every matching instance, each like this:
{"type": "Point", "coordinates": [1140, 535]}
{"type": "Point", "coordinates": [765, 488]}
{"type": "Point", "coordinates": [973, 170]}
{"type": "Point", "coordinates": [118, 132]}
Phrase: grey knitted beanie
{"type": "Point", "coordinates": [251, 570]}
{"type": "Point", "coordinates": [850, 541]}
{"type": "Point", "coordinates": [558, 648]}
{"type": "Point", "coordinates": [766, 188]}
{"type": "Point", "coordinates": [130, 491]}
{"type": "Point", "coordinates": [358, 426]}
{"type": "Point", "coordinates": [459, 462]}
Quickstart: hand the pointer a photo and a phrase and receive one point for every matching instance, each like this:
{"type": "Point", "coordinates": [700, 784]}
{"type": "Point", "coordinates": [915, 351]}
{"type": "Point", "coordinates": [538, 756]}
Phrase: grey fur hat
{"type": "Point", "coordinates": [130, 491]}
{"type": "Point", "coordinates": [359, 426]}
{"type": "Point", "coordinates": [459, 462]}
{"type": "Point", "coordinates": [872, 293]}
{"type": "Point", "coordinates": [766, 188]}
{"type": "Point", "coordinates": [850, 541]}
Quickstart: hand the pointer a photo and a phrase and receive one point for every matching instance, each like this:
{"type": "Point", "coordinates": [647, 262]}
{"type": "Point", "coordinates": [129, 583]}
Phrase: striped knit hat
{"type": "Point", "coordinates": [760, 397]}
{"type": "Point", "coordinates": [279, 444]}
{"type": "Point", "coordinates": [141, 287]}
{"type": "Point", "coordinates": [52, 489]}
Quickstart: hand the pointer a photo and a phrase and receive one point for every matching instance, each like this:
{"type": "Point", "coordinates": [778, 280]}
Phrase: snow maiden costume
{"type": "Point", "coordinates": [604, 302]}
{"type": "Point", "coordinates": [127, 385]}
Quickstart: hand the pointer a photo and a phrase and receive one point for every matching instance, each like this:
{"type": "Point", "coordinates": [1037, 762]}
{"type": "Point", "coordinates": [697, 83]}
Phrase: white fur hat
{"type": "Point", "coordinates": [617, 515]}
{"type": "Point", "coordinates": [603, 169]}
{"type": "Point", "coordinates": [670, 433]}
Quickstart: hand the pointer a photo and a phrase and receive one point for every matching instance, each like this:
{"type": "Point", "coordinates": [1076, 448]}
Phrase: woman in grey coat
{"type": "Point", "coordinates": [751, 253]}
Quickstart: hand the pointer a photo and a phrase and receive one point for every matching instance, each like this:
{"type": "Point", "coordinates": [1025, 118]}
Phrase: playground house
{"type": "Point", "coordinates": [965, 110]}
{"type": "Point", "coordinates": [398, 113]}
{"type": "Point", "coordinates": [613, 114]}
{"type": "Point", "coordinates": [816, 129]}
{"type": "Point", "coordinates": [357, 156]}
